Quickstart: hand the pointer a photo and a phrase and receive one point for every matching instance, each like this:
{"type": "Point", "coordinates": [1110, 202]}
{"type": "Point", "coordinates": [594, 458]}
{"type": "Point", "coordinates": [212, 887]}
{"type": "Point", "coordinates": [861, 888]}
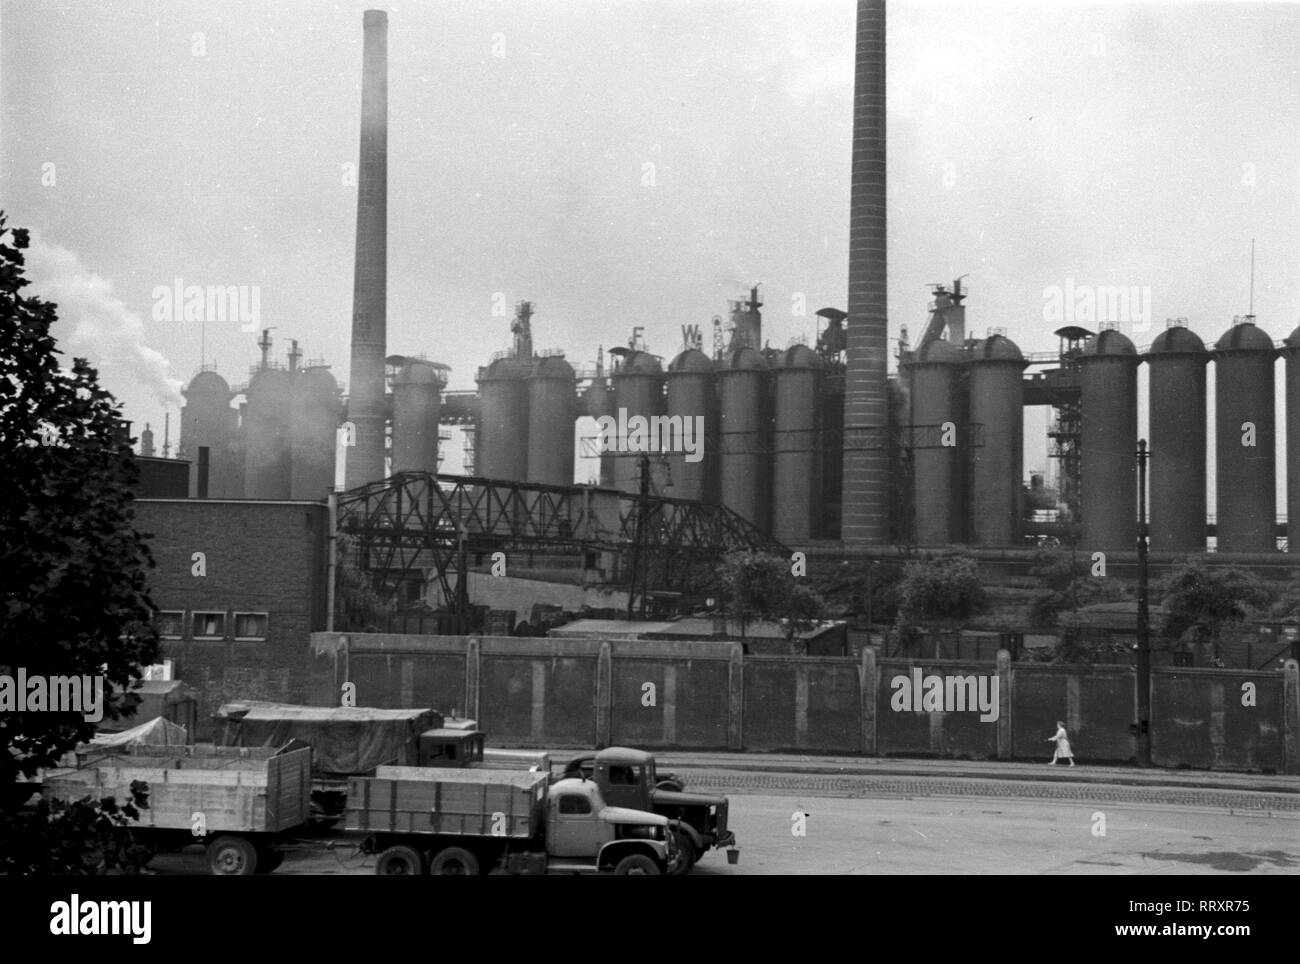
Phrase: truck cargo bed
{"type": "Point", "coordinates": [250, 790]}
{"type": "Point", "coordinates": [470, 802]}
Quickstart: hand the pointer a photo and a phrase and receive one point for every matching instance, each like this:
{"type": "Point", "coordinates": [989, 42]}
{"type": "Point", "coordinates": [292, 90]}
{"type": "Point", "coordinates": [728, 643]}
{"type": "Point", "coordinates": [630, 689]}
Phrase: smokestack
{"type": "Point", "coordinates": [366, 404]}
{"type": "Point", "coordinates": [204, 468]}
{"type": "Point", "coordinates": [146, 441]}
{"type": "Point", "coordinates": [866, 398]}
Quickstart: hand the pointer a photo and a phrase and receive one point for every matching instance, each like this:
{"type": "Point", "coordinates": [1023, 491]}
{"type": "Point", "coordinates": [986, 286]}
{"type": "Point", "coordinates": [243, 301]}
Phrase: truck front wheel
{"type": "Point", "coordinates": [454, 862]}
{"type": "Point", "coordinates": [400, 860]}
{"type": "Point", "coordinates": [686, 854]}
{"type": "Point", "coordinates": [230, 856]}
{"type": "Point", "coordinates": [637, 864]}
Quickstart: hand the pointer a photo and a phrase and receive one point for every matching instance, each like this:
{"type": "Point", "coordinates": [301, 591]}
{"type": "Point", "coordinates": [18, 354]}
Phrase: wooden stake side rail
{"type": "Point", "coordinates": [254, 791]}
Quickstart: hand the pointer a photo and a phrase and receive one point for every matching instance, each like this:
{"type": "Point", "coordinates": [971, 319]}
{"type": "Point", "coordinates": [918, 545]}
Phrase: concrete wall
{"type": "Point", "coordinates": [1199, 718]}
{"type": "Point", "coordinates": [701, 695]}
{"type": "Point", "coordinates": [1097, 707]}
{"type": "Point", "coordinates": [963, 735]}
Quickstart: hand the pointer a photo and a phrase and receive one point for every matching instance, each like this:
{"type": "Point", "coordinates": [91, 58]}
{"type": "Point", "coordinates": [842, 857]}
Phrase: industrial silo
{"type": "Point", "coordinates": [692, 398]}
{"type": "Point", "coordinates": [1291, 352]}
{"type": "Point", "coordinates": [1108, 442]}
{"type": "Point", "coordinates": [744, 465]}
{"type": "Point", "coordinates": [501, 444]}
{"type": "Point", "coordinates": [796, 446]}
{"type": "Point", "coordinates": [1245, 434]}
{"type": "Point", "coordinates": [638, 390]}
{"type": "Point", "coordinates": [266, 434]}
{"type": "Point", "coordinates": [417, 403]}
{"type": "Point", "coordinates": [1176, 391]}
{"type": "Point", "coordinates": [937, 426]}
{"type": "Point", "coordinates": [598, 402]}
{"type": "Point", "coordinates": [208, 421]}
{"type": "Point", "coordinates": [552, 399]}
{"type": "Point", "coordinates": [316, 415]}
{"type": "Point", "coordinates": [997, 446]}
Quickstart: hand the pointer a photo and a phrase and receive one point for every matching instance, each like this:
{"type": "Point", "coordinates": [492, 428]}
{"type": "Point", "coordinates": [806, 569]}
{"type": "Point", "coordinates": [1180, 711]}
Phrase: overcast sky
{"type": "Point", "coordinates": [1029, 146]}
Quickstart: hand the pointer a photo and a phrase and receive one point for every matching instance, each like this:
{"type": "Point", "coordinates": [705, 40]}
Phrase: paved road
{"type": "Point", "coordinates": [947, 835]}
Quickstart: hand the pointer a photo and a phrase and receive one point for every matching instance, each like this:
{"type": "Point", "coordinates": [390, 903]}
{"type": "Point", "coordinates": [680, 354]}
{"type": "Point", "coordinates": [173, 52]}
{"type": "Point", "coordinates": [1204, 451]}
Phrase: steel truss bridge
{"type": "Point", "coordinates": [416, 526]}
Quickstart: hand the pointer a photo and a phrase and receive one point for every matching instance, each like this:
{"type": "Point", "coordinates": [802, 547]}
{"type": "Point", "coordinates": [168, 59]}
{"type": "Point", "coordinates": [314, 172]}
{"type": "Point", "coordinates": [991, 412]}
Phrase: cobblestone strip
{"type": "Point", "coordinates": [872, 786]}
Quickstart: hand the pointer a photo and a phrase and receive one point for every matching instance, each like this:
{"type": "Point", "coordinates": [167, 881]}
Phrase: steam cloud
{"type": "Point", "coordinates": [96, 325]}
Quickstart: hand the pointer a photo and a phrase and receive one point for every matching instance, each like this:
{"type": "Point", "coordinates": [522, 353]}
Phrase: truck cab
{"type": "Point", "coordinates": [584, 832]}
{"type": "Point", "coordinates": [627, 778]}
{"type": "Point", "coordinates": [446, 747]}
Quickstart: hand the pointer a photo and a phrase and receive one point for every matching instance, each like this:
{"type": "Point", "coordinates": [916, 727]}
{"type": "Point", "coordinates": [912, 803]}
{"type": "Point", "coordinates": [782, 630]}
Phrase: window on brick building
{"type": "Point", "coordinates": [171, 624]}
{"type": "Point", "coordinates": [250, 625]}
{"type": "Point", "coordinates": [209, 625]}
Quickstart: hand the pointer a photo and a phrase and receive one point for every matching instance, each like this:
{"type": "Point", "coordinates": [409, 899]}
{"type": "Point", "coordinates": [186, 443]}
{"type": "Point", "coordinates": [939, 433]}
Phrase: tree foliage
{"type": "Point", "coordinates": [944, 588]}
{"type": "Point", "coordinates": [1065, 585]}
{"type": "Point", "coordinates": [1204, 600]}
{"type": "Point", "coordinates": [74, 600]}
{"type": "Point", "coordinates": [758, 585]}
{"type": "Point", "coordinates": [83, 837]}
{"type": "Point", "coordinates": [862, 591]}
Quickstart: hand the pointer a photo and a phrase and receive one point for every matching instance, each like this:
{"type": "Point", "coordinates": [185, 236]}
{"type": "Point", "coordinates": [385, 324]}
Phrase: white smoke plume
{"type": "Point", "coordinates": [96, 325]}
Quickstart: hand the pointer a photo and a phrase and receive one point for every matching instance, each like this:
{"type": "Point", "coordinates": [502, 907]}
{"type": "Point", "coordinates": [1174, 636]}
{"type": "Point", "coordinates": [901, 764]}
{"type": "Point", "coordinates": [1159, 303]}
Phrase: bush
{"type": "Point", "coordinates": [1066, 585]}
{"type": "Point", "coordinates": [1204, 600]}
{"type": "Point", "coordinates": [943, 587]}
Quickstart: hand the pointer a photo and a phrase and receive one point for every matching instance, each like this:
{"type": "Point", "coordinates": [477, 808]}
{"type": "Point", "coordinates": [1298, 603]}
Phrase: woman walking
{"type": "Point", "coordinates": [1062, 741]}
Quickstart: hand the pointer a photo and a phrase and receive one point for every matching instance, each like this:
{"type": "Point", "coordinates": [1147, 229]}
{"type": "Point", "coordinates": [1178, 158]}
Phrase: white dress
{"type": "Point", "coordinates": [1062, 745]}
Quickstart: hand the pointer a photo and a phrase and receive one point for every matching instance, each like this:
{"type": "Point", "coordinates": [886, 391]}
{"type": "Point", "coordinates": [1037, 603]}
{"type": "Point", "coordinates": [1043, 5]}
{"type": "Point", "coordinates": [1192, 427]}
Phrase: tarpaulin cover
{"type": "Point", "coordinates": [156, 732]}
{"type": "Point", "coordinates": [344, 740]}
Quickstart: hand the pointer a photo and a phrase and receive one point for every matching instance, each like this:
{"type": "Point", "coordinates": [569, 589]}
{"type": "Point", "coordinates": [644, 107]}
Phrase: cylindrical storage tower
{"type": "Point", "coordinates": [1245, 439]}
{"type": "Point", "coordinates": [208, 421]}
{"type": "Point", "coordinates": [417, 402]}
{"type": "Point", "coordinates": [501, 444]}
{"type": "Point", "coordinates": [1176, 392]}
{"type": "Point", "coordinates": [937, 443]}
{"type": "Point", "coordinates": [266, 435]}
{"type": "Point", "coordinates": [1291, 351]}
{"type": "Point", "coordinates": [638, 390]}
{"type": "Point", "coordinates": [797, 447]}
{"type": "Point", "coordinates": [598, 402]}
{"type": "Point", "coordinates": [552, 408]}
{"type": "Point", "coordinates": [997, 451]}
{"type": "Point", "coordinates": [742, 390]}
{"type": "Point", "coordinates": [317, 414]}
{"type": "Point", "coordinates": [692, 402]}
{"type": "Point", "coordinates": [1108, 443]}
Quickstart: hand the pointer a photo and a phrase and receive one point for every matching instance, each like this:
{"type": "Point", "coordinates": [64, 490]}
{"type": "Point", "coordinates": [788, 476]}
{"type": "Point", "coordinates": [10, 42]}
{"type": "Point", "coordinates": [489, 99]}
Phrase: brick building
{"type": "Point", "coordinates": [236, 620]}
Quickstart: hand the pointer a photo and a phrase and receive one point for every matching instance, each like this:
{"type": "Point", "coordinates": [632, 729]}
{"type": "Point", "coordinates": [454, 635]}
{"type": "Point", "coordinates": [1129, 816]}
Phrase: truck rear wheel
{"type": "Point", "coordinates": [454, 862]}
{"type": "Point", "coordinates": [400, 860]}
{"type": "Point", "coordinates": [637, 864]}
{"type": "Point", "coordinates": [230, 856]}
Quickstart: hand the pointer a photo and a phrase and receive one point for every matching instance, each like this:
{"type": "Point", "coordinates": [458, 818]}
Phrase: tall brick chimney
{"type": "Point", "coordinates": [367, 406]}
{"type": "Point", "coordinates": [866, 390]}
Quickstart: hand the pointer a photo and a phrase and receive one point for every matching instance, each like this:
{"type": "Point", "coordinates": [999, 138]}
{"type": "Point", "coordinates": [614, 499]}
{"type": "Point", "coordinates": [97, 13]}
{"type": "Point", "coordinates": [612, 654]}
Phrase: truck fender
{"type": "Point", "coordinates": [691, 832]}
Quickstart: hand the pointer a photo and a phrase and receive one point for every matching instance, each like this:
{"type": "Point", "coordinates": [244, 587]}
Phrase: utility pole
{"type": "Point", "coordinates": [643, 498]}
{"type": "Point", "coordinates": [1143, 623]}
